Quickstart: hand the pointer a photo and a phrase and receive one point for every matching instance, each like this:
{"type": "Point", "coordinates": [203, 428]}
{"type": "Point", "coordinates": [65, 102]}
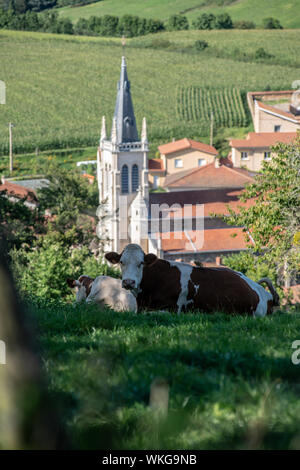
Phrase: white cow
{"type": "Point", "coordinates": [105, 291]}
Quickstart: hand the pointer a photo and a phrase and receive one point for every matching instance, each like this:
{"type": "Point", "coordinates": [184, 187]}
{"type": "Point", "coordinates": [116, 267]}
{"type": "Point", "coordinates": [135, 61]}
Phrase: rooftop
{"type": "Point", "coordinates": [184, 144]}
{"type": "Point", "coordinates": [208, 176]}
{"type": "Point", "coordinates": [263, 139]}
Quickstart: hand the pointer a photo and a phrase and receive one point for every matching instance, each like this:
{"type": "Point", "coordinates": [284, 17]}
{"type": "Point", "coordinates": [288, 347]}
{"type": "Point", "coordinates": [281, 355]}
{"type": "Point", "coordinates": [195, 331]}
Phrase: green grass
{"type": "Point", "coordinates": [232, 382]}
{"type": "Point", "coordinates": [58, 87]}
{"type": "Point", "coordinates": [287, 11]}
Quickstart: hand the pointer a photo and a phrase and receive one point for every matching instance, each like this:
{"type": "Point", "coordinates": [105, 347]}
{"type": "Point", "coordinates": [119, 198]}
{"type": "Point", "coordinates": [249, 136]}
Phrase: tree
{"type": "Point", "coordinates": [205, 21]}
{"type": "Point", "coordinates": [177, 23]}
{"type": "Point", "coordinates": [274, 220]}
{"type": "Point", "coordinates": [271, 23]}
{"type": "Point", "coordinates": [19, 225]}
{"type": "Point", "coordinates": [223, 21]}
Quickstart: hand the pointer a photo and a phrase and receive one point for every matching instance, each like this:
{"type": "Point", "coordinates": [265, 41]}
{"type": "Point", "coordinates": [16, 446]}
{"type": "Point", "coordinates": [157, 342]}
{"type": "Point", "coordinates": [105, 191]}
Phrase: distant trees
{"type": "Point", "coordinates": [177, 23]}
{"type": "Point", "coordinates": [271, 23]}
{"type": "Point", "coordinates": [210, 21]}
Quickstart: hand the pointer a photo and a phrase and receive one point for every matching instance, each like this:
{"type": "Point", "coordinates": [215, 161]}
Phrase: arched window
{"type": "Point", "coordinates": [135, 178]}
{"type": "Point", "coordinates": [124, 178]}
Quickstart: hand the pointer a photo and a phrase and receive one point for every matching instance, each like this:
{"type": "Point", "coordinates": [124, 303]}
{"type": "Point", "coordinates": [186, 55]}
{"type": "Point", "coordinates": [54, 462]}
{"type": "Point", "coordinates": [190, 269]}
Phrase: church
{"type": "Point", "coordinates": [157, 222]}
{"type": "Point", "coordinates": [122, 174]}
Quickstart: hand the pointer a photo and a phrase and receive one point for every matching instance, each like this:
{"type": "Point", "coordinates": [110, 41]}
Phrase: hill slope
{"type": "Point", "coordinates": [58, 87]}
{"type": "Point", "coordinates": [288, 12]}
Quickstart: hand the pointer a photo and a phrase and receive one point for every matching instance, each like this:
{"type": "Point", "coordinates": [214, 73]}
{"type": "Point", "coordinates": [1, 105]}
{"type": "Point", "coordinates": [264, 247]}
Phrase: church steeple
{"type": "Point", "coordinates": [124, 114]}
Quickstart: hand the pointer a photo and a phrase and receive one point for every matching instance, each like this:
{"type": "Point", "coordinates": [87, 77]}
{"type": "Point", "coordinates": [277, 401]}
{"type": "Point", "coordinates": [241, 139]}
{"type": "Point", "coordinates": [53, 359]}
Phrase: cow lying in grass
{"type": "Point", "coordinates": [105, 291]}
{"type": "Point", "coordinates": [160, 284]}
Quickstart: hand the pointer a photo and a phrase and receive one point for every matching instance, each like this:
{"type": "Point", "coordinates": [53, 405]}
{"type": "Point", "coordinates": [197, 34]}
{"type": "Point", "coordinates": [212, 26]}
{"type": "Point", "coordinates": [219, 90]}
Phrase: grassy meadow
{"type": "Point", "coordinates": [287, 12]}
{"type": "Point", "coordinates": [231, 381]}
{"type": "Point", "coordinates": [58, 87]}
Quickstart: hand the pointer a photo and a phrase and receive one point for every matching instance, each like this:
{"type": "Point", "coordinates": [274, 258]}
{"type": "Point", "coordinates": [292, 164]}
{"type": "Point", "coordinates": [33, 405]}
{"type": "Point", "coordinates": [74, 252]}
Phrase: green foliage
{"type": "Point", "coordinates": [271, 23]}
{"type": "Point", "coordinates": [232, 382]}
{"type": "Point", "coordinates": [205, 21]}
{"type": "Point", "coordinates": [244, 24]}
{"type": "Point", "coordinates": [200, 45]}
{"type": "Point", "coordinates": [177, 23]}
{"type": "Point", "coordinates": [197, 104]}
{"type": "Point", "coordinates": [223, 21]}
{"type": "Point", "coordinates": [72, 118]}
{"type": "Point", "coordinates": [18, 223]}
{"type": "Point", "coordinates": [42, 272]}
{"type": "Point", "coordinates": [260, 53]}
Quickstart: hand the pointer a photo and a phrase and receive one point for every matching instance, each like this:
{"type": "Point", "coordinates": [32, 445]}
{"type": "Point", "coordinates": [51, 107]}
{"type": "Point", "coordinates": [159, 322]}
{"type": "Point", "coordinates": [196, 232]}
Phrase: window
{"type": "Point", "coordinates": [178, 163]}
{"type": "Point", "coordinates": [135, 178]}
{"type": "Point", "coordinates": [277, 128]}
{"type": "Point", "coordinates": [244, 156]}
{"type": "Point", "coordinates": [267, 156]}
{"type": "Point", "coordinates": [155, 181]}
{"type": "Point", "coordinates": [124, 179]}
{"type": "Point", "coordinates": [201, 161]}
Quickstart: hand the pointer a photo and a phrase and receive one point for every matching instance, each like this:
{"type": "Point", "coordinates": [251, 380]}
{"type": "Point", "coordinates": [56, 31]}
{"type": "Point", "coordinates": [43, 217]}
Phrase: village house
{"type": "Point", "coordinates": [251, 152]}
{"type": "Point", "coordinates": [275, 111]}
{"type": "Point", "coordinates": [177, 156]}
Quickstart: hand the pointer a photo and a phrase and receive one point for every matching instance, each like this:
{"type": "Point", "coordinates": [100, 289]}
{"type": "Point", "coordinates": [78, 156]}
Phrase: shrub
{"type": "Point", "coordinates": [223, 21]}
{"type": "Point", "coordinates": [177, 23]}
{"type": "Point", "coordinates": [200, 45]}
{"type": "Point", "coordinates": [260, 53]}
{"type": "Point", "coordinates": [243, 24]}
{"type": "Point", "coordinates": [271, 23]}
{"type": "Point", "coordinates": [205, 21]}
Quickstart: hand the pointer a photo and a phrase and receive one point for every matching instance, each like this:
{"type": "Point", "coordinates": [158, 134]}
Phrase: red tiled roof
{"type": "Point", "coordinates": [184, 144]}
{"type": "Point", "coordinates": [214, 201]}
{"type": "Point", "coordinates": [156, 164]}
{"type": "Point", "coordinates": [209, 176]}
{"type": "Point", "coordinates": [263, 139]}
{"type": "Point", "coordinates": [279, 111]}
{"type": "Point", "coordinates": [212, 240]}
{"type": "Point", "coordinates": [18, 191]}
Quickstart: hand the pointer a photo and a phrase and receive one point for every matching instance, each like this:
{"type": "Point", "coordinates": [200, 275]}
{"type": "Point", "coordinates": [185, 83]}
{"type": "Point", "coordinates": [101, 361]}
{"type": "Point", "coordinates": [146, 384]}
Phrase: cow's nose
{"type": "Point", "coordinates": [128, 284]}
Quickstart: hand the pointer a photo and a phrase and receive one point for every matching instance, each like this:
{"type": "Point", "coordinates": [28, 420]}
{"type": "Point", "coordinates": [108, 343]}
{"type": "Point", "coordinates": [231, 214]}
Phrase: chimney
{"type": "Point", "coordinates": [217, 162]}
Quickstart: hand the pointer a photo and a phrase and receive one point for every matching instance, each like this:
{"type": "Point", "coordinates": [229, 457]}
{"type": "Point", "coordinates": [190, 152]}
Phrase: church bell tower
{"type": "Point", "coordinates": [122, 174]}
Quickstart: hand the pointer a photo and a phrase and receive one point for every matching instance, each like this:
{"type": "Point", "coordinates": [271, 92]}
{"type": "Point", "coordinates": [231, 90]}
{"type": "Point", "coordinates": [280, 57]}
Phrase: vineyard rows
{"type": "Point", "coordinates": [198, 104]}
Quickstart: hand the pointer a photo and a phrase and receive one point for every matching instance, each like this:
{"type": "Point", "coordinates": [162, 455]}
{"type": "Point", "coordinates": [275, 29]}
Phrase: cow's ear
{"type": "Point", "coordinates": [113, 257]}
{"type": "Point", "coordinates": [150, 259]}
{"type": "Point", "coordinates": [71, 282]}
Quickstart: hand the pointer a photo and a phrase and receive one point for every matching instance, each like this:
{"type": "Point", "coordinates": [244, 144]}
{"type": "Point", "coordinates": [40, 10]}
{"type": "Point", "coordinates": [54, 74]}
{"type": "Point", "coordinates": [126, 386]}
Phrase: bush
{"type": "Point", "coordinates": [243, 24]}
{"type": "Point", "coordinates": [271, 23]}
{"type": "Point", "coordinates": [177, 23]}
{"type": "Point", "coordinates": [205, 21]}
{"type": "Point", "coordinates": [223, 21]}
{"type": "Point", "coordinates": [260, 53]}
{"type": "Point", "coordinates": [200, 45]}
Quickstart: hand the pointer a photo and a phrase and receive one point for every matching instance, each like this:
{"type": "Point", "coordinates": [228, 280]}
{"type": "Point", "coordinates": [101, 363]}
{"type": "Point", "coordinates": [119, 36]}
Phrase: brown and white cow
{"type": "Point", "coordinates": [161, 284]}
{"type": "Point", "coordinates": [105, 291]}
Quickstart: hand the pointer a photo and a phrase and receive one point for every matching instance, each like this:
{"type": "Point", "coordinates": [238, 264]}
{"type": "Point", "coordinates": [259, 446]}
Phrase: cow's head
{"type": "Point", "coordinates": [82, 286]}
{"type": "Point", "coordinates": [132, 261]}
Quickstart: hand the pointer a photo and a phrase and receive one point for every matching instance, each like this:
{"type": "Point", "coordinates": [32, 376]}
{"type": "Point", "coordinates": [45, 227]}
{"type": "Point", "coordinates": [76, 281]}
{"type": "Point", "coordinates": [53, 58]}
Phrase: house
{"type": "Point", "coordinates": [275, 111]}
{"type": "Point", "coordinates": [252, 151]}
{"type": "Point", "coordinates": [179, 155]}
{"type": "Point", "coordinates": [16, 191]}
{"type": "Point", "coordinates": [219, 174]}
{"type": "Point", "coordinates": [179, 237]}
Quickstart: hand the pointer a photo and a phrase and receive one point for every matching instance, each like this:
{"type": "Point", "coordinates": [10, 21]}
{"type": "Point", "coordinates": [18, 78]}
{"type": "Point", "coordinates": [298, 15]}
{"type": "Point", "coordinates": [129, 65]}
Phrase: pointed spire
{"type": "Point", "coordinates": [103, 129]}
{"type": "Point", "coordinates": [114, 131]}
{"type": "Point", "coordinates": [144, 131]}
{"type": "Point", "coordinates": [124, 114]}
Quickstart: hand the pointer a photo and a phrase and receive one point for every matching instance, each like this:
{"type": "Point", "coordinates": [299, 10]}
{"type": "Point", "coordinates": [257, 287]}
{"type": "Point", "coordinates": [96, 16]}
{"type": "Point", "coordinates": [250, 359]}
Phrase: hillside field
{"type": "Point", "coordinates": [232, 384]}
{"type": "Point", "coordinates": [58, 87]}
{"type": "Point", "coordinates": [287, 11]}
